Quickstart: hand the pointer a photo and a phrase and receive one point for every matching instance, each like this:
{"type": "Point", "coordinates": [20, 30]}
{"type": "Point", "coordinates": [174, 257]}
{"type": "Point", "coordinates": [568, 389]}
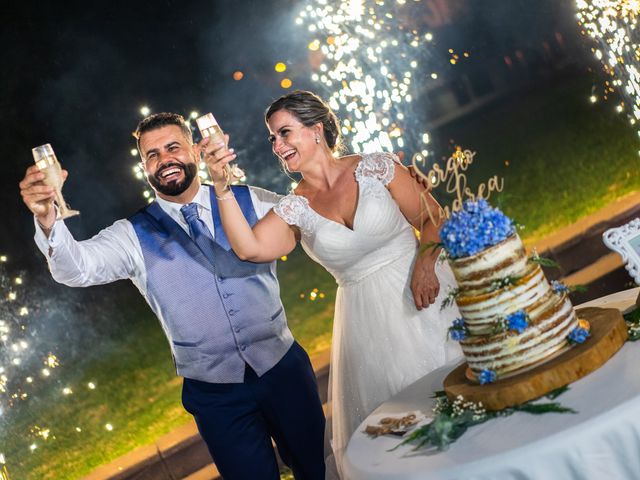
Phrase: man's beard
{"type": "Point", "coordinates": [173, 189]}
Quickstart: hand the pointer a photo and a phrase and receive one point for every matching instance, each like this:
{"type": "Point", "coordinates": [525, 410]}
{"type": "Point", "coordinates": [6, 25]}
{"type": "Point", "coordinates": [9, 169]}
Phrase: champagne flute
{"type": "Point", "coordinates": [47, 162]}
{"type": "Point", "coordinates": [209, 127]}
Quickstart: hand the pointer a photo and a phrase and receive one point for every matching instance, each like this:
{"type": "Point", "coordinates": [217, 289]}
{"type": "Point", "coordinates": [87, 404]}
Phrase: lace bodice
{"type": "Point", "coordinates": [380, 232]}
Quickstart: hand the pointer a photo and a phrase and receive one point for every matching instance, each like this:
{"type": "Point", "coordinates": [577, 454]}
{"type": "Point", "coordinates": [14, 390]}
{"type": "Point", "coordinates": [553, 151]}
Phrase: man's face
{"type": "Point", "coordinates": [168, 159]}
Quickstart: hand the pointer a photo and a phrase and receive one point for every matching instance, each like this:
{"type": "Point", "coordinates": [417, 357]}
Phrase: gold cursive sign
{"type": "Point", "coordinates": [455, 181]}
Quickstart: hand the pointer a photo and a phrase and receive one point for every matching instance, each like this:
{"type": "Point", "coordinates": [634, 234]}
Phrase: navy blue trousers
{"type": "Point", "coordinates": [238, 420]}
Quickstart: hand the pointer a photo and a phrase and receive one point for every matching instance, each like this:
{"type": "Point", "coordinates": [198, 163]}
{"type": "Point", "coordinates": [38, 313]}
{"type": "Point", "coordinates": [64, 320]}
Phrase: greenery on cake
{"type": "Point", "coordinates": [473, 228]}
{"type": "Point", "coordinates": [517, 321]}
{"type": "Point", "coordinates": [450, 299]}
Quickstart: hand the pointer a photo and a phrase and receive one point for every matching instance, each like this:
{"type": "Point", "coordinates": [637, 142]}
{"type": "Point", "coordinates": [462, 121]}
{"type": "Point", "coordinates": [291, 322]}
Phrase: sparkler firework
{"type": "Point", "coordinates": [366, 56]}
{"type": "Point", "coordinates": [21, 368]}
{"type": "Point", "coordinates": [16, 356]}
{"type": "Point", "coordinates": [30, 377]}
{"type": "Point", "coordinates": [613, 24]}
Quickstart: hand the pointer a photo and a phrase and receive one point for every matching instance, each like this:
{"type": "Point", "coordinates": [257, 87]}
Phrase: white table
{"type": "Point", "coordinates": [601, 441]}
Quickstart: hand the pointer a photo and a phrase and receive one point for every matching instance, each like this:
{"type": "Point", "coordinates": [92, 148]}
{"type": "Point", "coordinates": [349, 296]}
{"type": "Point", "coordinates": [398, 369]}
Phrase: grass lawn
{"type": "Point", "coordinates": [136, 392]}
{"type": "Point", "coordinates": [566, 158]}
{"type": "Point", "coordinates": [561, 157]}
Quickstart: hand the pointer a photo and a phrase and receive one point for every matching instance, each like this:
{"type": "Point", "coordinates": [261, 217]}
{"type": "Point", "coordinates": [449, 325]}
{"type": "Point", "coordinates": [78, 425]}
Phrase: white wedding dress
{"type": "Point", "coordinates": [381, 342]}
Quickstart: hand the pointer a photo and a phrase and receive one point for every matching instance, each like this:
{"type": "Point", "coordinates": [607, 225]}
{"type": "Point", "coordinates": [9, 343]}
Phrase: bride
{"type": "Point", "coordinates": [355, 215]}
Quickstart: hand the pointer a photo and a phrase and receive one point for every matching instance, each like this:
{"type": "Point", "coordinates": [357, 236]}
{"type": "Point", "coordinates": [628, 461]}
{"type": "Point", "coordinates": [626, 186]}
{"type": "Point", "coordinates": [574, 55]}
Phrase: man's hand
{"type": "Point", "coordinates": [217, 156]}
{"type": "Point", "coordinates": [424, 183]}
{"type": "Point", "coordinates": [425, 285]}
{"type": "Point", "coordinates": [39, 197]}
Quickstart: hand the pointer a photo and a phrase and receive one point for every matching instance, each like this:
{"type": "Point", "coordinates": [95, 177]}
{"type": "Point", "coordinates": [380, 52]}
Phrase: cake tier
{"type": "Point", "coordinates": [550, 321]}
{"type": "Point", "coordinates": [478, 272]}
{"type": "Point", "coordinates": [528, 292]}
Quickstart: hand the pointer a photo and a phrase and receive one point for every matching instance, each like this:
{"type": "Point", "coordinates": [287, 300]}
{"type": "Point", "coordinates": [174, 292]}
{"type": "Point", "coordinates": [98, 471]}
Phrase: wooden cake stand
{"type": "Point", "coordinates": [608, 334]}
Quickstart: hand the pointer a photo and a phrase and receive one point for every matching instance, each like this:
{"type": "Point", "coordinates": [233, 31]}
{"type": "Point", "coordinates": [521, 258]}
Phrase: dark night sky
{"type": "Point", "coordinates": [75, 76]}
{"type": "Point", "coordinates": [76, 73]}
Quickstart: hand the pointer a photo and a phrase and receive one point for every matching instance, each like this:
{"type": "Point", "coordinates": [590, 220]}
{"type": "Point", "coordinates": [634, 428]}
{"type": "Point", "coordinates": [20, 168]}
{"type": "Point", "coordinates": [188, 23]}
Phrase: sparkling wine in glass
{"type": "Point", "coordinates": [209, 127]}
{"type": "Point", "coordinates": [47, 162]}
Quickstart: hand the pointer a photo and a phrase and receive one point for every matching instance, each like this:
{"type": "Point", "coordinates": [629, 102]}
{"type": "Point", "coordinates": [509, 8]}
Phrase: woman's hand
{"type": "Point", "coordinates": [217, 156]}
{"type": "Point", "coordinates": [425, 285]}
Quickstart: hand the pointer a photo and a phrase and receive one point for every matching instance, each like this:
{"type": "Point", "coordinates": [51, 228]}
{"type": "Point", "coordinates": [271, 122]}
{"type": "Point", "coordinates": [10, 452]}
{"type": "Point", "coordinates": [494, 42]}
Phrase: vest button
{"type": "Point", "coordinates": [236, 329]}
{"type": "Point", "coordinates": [232, 312]}
{"type": "Point", "coordinates": [225, 295]}
{"type": "Point", "coordinates": [243, 347]}
{"type": "Point", "coordinates": [220, 278]}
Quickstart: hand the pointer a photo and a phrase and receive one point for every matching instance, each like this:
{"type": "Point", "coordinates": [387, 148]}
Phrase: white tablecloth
{"type": "Point", "coordinates": [601, 441]}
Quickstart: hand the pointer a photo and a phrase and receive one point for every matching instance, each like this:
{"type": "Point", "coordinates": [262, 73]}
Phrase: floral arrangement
{"type": "Point", "coordinates": [453, 417]}
{"type": "Point", "coordinates": [559, 288]}
{"type": "Point", "coordinates": [458, 330]}
{"type": "Point", "coordinates": [632, 319]}
{"type": "Point", "coordinates": [507, 281]}
{"type": "Point", "coordinates": [578, 335]}
{"type": "Point", "coordinates": [517, 321]}
{"type": "Point", "coordinates": [473, 228]}
{"type": "Point", "coordinates": [487, 376]}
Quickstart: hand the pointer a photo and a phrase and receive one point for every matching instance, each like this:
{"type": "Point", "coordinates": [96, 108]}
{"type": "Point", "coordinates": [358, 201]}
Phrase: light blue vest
{"type": "Point", "coordinates": [217, 314]}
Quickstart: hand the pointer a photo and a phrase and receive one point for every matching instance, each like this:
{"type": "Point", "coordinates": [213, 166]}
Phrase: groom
{"type": "Point", "coordinates": [246, 381]}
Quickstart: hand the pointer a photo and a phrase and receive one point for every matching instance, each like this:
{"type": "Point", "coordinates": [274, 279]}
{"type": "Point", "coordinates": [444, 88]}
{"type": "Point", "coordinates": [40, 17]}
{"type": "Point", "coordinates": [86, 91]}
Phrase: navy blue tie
{"type": "Point", "coordinates": [198, 229]}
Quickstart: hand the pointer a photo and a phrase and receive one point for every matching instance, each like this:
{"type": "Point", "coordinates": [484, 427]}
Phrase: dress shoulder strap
{"type": "Point", "coordinates": [380, 165]}
{"type": "Point", "coordinates": [295, 210]}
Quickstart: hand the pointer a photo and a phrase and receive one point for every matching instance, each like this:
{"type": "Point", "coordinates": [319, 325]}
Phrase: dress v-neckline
{"type": "Point", "coordinates": [355, 213]}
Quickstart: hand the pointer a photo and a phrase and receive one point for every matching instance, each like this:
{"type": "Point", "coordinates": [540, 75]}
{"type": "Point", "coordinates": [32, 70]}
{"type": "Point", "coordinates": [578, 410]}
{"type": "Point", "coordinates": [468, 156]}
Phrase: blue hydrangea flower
{"type": "Point", "coordinates": [473, 228]}
{"type": "Point", "coordinates": [487, 376]}
{"type": "Point", "coordinates": [458, 330]}
{"type": "Point", "coordinates": [457, 335]}
{"type": "Point", "coordinates": [559, 288]}
{"type": "Point", "coordinates": [517, 321]}
{"type": "Point", "coordinates": [578, 335]}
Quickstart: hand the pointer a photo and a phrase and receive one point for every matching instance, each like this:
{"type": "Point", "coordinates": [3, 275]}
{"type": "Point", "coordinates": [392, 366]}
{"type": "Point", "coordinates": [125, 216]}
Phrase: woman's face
{"type": "Point", "coordinates": [291, 141]}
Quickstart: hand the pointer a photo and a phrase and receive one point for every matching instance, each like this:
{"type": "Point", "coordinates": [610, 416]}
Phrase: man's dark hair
{"type": "Point", "coordinates": [159, 120]}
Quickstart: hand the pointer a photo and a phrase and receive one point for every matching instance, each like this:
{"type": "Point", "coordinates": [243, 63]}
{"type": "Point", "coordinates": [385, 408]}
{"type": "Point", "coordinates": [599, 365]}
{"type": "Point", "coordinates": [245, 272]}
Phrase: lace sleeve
{"type": "Point", "coordinates": [294, 210]}
{"type": "Point", "coordinates": [289, 209]}
{"type": "Point", "coordinates": [380, 166]}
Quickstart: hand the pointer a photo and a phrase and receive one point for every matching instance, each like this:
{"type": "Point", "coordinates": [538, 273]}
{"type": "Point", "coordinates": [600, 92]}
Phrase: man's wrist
{"type": "Point", "coordinates": [45, 230]}
{"type": "Point", "coordinates": [47, 223]}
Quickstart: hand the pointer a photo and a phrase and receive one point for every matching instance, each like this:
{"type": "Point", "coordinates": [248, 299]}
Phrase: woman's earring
{"type": "Point", "coordinates": [317, 139]}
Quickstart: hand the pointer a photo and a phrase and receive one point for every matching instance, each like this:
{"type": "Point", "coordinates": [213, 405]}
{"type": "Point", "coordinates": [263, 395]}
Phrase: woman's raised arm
{"type": "Point", "coordinates": [269, 239]}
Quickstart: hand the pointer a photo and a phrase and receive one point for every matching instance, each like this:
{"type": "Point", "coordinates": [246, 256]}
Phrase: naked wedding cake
{"type": "Point", "coordinates": [512, 317]}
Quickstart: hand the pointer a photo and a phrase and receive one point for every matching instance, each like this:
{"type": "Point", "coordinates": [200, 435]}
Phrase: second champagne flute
{"type": "Point", "coordinates": [209, 127]}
